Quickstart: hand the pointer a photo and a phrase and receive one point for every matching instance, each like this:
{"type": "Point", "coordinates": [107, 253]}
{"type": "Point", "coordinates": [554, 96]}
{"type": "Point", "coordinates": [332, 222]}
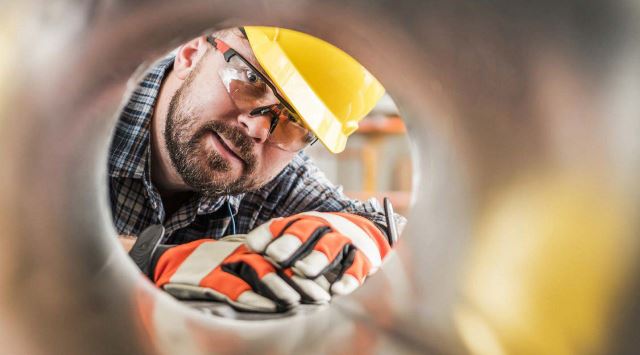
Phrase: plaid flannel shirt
{"type": "Point", "coordinates": [136, 203]}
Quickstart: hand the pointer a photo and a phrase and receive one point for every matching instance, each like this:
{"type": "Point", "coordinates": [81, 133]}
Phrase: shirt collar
{"type": "Point", "coordinates": [209, 205]}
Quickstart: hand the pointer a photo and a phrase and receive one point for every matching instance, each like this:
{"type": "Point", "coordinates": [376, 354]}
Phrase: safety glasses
{"type": "Point", "coordinates": [254, 94]}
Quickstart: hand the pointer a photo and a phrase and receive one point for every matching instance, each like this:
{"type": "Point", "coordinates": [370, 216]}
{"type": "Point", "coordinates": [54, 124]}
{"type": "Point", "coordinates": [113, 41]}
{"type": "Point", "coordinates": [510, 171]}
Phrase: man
{"type": "Point", "coordinates": [208, 146]}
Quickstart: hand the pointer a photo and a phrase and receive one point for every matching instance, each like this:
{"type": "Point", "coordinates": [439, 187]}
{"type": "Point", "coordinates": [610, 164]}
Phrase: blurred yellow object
{"type": "Point", "coordinates": [546, 269]}
{"type": "Point", "coordinates": [330, 90]}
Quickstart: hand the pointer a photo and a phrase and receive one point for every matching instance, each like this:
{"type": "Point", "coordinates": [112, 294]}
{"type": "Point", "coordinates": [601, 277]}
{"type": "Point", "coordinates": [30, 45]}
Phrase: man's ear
{"type": "Point", "coordinates": [188, 56]}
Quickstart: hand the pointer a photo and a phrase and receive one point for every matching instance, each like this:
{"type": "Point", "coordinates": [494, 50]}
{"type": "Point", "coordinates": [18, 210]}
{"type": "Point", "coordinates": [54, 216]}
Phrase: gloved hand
{"type": "Point", "coordinates": [223, 270]}
{"type": "Point", "coordinates": [330, 253]}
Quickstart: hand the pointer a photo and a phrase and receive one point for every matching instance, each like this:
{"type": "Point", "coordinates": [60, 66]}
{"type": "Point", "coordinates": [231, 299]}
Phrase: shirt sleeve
{"type": "Point", "coordinates": [302, 187]}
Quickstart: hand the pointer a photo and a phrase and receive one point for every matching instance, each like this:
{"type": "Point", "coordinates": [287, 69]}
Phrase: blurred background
{"type": "Point", "coordinates": [377, 160]}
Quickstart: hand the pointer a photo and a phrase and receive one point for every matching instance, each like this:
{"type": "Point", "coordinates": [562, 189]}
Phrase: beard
{"type": "Point", "coordinates": [203, 169]}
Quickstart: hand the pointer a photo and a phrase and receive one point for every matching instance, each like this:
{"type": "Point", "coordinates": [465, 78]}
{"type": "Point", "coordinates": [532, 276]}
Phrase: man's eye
{"type": "Point", "coordinates": [293, 118]}
{"type": "Point", "coordinates": [253, 77]}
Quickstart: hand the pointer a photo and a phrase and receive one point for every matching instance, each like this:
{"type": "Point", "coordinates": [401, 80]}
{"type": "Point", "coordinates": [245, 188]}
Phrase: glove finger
{"type": "Point", "coordinates": [259, 238]}
{"type": "Point", "coordinates": [353, 275]}
{"type": "Point", "coordinates": [312, 292]}
{"type": "Point", "coordinates": [330, 250]}
{"type": "Point", "coordinates": [300, 226]}
{"type": "Point", "coordinates": [262, 276]}
{"type": "Point", "coordinates": [323, 282]}
{"type": "Point", "coordinates": [297, 242]}
{"type": "Point", "coordinates": [229, 289]}
{"type": "Point", "coordinates": [362, 233]}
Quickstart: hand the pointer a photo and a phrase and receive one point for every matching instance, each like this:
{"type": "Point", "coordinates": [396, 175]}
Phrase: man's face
{"type": "Point", "coordinates": [215, 148]}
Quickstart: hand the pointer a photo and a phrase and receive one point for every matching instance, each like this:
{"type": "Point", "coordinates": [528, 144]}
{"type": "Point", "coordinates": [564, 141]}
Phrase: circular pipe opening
{"type": "Point", "coordinates": [61, 266]}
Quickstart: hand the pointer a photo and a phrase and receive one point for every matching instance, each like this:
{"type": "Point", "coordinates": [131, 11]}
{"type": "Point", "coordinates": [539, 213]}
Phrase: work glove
{"type": "Point", "coordinates": [222, 270]}
{"type": "Point", "coordinates": [329, 253]}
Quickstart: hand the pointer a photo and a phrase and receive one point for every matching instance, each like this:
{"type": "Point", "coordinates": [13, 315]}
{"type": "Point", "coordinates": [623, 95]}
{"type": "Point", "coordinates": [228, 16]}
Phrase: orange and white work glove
{"type": "Point", "coordinates": [223, 270]}
{"type": "Point", "coordinates": [330, 253]}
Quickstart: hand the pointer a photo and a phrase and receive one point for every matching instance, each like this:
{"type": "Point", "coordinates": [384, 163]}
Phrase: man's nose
{"type": "Point", "coordinates": [257, 127]}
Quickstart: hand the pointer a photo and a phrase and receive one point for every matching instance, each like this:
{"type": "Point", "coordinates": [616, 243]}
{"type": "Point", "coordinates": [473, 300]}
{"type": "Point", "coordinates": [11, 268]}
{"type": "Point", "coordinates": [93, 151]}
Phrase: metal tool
{"type": "Point", "coordinates": [392, 228]}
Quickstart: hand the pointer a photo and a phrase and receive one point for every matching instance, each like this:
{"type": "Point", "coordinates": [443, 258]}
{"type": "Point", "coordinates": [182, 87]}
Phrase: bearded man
{"type": "Point", "coordinates": [210, 147]}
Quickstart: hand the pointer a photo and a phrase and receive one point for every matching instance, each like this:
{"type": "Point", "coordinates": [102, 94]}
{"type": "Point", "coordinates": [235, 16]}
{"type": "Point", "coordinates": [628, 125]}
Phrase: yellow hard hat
{"type": "Point", "coordinates": [330, 90]}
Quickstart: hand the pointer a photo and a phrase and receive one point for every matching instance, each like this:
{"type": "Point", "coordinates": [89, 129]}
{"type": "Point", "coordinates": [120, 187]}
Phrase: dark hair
{"type": "Point", "coordinates": [231, 30]}
{"type": "Point", "coordinates": [244, 33]}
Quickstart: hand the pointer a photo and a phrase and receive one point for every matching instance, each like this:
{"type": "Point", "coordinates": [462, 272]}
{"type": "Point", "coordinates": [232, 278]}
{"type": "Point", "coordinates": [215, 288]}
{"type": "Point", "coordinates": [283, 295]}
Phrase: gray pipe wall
{"type": "Point", "coordinates": [523, 237]}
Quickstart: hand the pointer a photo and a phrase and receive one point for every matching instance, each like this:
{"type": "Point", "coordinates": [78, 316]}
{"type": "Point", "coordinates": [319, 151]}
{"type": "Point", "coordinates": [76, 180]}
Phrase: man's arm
{"type": "Point", "coordinates": [127, 241]}
{"type": "Point", "coordinates": [303, 187]}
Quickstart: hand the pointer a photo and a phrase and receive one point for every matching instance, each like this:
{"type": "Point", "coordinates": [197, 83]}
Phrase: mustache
{"type": "Point", "coordinates": [243, 143]}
